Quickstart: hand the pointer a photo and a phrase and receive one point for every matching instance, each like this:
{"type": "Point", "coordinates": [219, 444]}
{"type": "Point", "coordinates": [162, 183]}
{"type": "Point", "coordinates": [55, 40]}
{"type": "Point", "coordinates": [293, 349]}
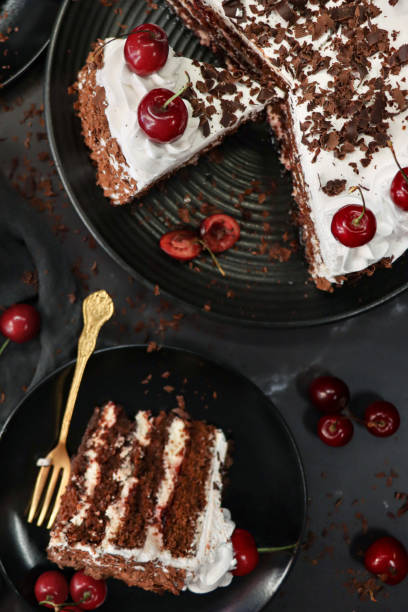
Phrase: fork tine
{"type": "Point", "coordinates": [48, 496]}
{"type": "Point", "coordinates": [38, 489]}
{"type": "Point", "coordinates": [61, 489]}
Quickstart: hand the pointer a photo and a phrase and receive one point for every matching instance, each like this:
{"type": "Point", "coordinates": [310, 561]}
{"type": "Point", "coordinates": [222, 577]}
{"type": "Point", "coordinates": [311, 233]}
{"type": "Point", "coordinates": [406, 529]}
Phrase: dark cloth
{"type": "Point", "coordinates": [33, 269]}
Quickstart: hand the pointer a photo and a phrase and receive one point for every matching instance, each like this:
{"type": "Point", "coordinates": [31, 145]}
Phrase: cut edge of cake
{"type": "Point", "coordinates": [143, 503]}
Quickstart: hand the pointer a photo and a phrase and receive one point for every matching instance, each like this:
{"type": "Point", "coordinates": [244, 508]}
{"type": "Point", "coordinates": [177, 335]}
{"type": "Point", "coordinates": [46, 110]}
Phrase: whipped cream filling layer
{"type": "Point", "coordinates": [391, 240]}
{"type": "Point", "coordinates": [147, 161]}
{"type": "Point", "coordinates": [92, 475]}
{"type": "Point", "coordinates": [209, 564]}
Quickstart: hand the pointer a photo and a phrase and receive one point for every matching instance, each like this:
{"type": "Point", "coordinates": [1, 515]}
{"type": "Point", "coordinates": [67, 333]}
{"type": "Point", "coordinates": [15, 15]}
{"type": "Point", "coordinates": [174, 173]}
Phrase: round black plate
{"type": "Point", "coordinates": [235, 178]}
{"type": "Point", "coordinates": [27, 25]}
{"type": "Point", "coordinates": [266, 492]}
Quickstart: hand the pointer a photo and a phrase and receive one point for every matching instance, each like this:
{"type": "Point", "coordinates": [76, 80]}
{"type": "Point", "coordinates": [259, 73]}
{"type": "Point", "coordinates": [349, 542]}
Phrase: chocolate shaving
{"type": "Point", "coordinates": [334, 187]}
{"type": "Point", "coordinates": [233, 8]}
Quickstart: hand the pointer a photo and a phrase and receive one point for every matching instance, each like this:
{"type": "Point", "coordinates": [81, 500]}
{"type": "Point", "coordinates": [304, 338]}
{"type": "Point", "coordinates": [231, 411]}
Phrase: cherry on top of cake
{"type": "Point", "coordinates": [162, 113]}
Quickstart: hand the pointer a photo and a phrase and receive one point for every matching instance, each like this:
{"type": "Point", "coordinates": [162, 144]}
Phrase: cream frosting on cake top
{"type": "Point", "coordinates": [331, 54]}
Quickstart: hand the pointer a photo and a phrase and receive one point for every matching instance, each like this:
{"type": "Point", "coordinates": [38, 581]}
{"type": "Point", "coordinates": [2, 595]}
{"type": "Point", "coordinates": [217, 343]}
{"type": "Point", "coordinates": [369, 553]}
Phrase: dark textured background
{"type": "Point", "coordinates": [351, 489]}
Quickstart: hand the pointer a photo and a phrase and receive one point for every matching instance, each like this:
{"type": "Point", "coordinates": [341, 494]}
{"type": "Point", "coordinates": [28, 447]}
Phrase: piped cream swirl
{"type": "Point", "coordinates": [124, 90]}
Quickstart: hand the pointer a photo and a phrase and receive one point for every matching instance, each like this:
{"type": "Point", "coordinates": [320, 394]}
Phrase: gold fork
{"type": "Point", "coordinates": [97, 309]}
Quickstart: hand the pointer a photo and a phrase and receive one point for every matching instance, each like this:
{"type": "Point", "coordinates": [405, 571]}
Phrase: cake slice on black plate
{"type": "Point", "coordinates": [143, 503]}
{"type": "Point", "coordinates": [129, 162]}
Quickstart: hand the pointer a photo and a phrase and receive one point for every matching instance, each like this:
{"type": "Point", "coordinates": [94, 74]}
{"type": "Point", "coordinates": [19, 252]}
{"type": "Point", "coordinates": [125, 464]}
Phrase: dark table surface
{"type": "Point", "coordinates": [352, 489]}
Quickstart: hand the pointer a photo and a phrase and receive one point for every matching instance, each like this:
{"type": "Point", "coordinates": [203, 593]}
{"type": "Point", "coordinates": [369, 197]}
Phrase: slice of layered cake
{"type": "Point", "coordinates": [143, 503]}
{"type": "Point", "coordinates": [344, 67]}
{"type": "Point", "coordinates": [129, 162]}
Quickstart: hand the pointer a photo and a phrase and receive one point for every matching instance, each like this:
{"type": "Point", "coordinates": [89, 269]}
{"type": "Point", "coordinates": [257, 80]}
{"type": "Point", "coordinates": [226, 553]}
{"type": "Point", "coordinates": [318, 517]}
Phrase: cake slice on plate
{"type": "Point", "coordinates": [109, 93]}
{"type": "Point", "coordinates": [143, 503]}
{"type": "Point", "coordinates": [344, 67]}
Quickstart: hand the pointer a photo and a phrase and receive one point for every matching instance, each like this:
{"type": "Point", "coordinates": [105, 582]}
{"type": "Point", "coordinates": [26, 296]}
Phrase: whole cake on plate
{"type": "Point", "coordinates": [143, 503]}
{"type": "Point", "coordinates": [344, 67]}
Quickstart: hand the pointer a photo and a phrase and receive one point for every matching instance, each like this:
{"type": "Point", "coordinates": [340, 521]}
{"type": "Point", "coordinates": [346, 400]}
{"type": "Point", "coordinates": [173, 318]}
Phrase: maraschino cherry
{"type": "Point", "coordinates": [182, 244]}
{"type": "Point", "coordinates": [388, 559]}
{"type": "Point", "coordinates": [246, 552]}
{"type": "Point", "coordinates": [335, 430]}
{"type": "Point", "coordinates": [87, 592]}
{"type": "Point", "coordinates": [51, 589]}
{"type": "Point", "coordinates": [19, 323]}
{"type": "Point", "coordinates": [382, 419]}
{"type": "Point", "coordinates": [220, 232]}
{"type": "Point", "coordinates": [354, 225]}
{"type": "Point", "coordinates": [329, 393]}
{"type": "Point", "coordinates": [399, 185]}
{"type": "Point", "coordinates": [146, 49]}
{"type": "Point", "coordinates": [162, 115]}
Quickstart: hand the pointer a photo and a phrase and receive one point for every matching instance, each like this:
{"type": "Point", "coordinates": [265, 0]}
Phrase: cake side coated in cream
{"type": "Point", "coordinates": [201, 562]}
{"type": "Point", "coordinates": [344, 65]}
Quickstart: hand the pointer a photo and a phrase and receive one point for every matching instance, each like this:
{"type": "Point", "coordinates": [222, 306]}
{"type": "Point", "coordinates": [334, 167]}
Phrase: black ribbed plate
{"type": "Point", "coordinates": [234, 178]}
{"type": "Point", "coordinates": [27, 25]}
{"type": "Point", "coordinates": [266, 492]}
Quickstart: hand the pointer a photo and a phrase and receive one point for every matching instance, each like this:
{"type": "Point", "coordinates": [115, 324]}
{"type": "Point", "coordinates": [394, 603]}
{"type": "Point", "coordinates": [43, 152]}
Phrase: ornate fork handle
{"type": "Point", "coordinates": [97, 309]}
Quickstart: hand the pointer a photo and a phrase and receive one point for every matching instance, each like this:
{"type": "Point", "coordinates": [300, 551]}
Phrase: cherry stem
{"type": "Point", "coordinates": [357, 220]}
{"type": "Point", "coordinates": [4, 345]}
{"type": "Point", "coordinates": [58, 607]}
{"type": "Point", "coordinates": [370, 424]}
{"type": "Point", "coordinates": [397, 162]}
{"type": "Point", "coordinates": [213, 257]}
{"type": "Point", "coordinates": [85, 597]}
{"type": "Point", "coordinates": [109, 41]}
{"type": "Point", "coordinates": [177, 94]}
{"type": "Point", "coordinates": [276, 548]}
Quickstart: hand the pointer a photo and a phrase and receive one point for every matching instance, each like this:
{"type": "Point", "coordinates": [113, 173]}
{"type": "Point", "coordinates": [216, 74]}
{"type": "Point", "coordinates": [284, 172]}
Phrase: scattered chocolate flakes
{"type": "Point", "coordinates": [285, 11]}
{"type": "Point", "coordinates": [30, 278]}
{"type": "Point", "coordinates": [400, 57]}
{"type": "Point", "coordinates": [233, 8]}
{"type": "Point", "coordinates": [334, 187]}
{"type": "Point", "coordinates": [181, 404]}
{"type": "Point", "coordinates": [365, 588]}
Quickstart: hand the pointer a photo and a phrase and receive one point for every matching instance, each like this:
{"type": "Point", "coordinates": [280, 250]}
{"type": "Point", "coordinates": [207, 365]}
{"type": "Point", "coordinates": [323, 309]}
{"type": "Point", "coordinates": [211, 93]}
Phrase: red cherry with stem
{"type": "Point", "coordinates": [146, 49]}
{"type": "Point", "coordinates": [51, 587]}
{"type": "Point", "coordinates": [354, 225]}
{"type": "Point", "coordinates": [245, 551]}
{"type": "Point", "coordinates": [388, 559]}
{"type": "Point", "coordinates": [382, 419]}
{"type": "Point", "coordinates": [162, 115]}
{"type": "Point", "coordinates": [87, 592]}
{"type": "Point", "coordinates": [399, 185]}
{"type": "Point", "coordinates": [182, 244]}
{"type": "Point", "coordinates": [19, 323]}
{"type": "Point", "coordinates": [335, 430]}
{"type": "Point", "coordinates": [329, 394]}
{"type": "Point", "coordinates": [220, 232]}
